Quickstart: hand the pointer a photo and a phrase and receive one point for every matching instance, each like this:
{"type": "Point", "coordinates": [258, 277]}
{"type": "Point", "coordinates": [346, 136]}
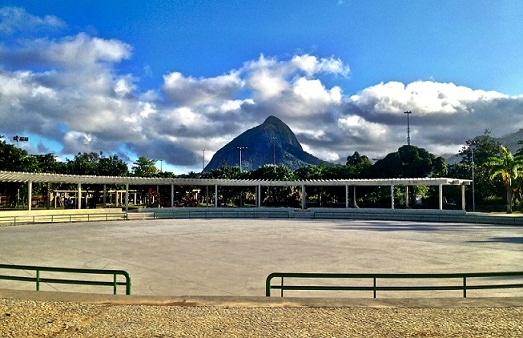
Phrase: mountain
{"type": "Point", "coordinates": [272, 142]}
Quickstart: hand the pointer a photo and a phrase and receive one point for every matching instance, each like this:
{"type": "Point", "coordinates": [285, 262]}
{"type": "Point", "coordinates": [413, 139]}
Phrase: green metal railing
{"type": "Point", "coordinates": [464, 277]}
{"type": "Point", "coordinates": [62, 218]}
{"type": "Point", "coordinates": [38, 279]}
{"type": "Point", "coordinates": [221, 214]}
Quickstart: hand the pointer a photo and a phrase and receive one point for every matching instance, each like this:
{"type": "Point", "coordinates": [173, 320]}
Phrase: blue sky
{"type": "Point", "coordinates": [166, 79]}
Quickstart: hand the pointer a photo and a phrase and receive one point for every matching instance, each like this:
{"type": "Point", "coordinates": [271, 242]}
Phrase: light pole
{"type": "Point", "coordinates": [471, 144]}
{"type": "Point", "coordinates": [240, 149]}
{"type": "Point", "coordinates": [408, 126]}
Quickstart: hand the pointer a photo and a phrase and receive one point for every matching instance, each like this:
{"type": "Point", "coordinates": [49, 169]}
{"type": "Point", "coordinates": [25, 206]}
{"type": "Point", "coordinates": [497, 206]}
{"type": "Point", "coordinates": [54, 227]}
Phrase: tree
{"type": "Point", "coordinates": [477, 152]}
{"type": "Point", "coordinates": [508, 167]}
{"type": "Point", "coordinates": [112, 166]}
{"type": "Point", "coordinates": [358, 166]}
{"type": "Point", "coordinates": [95, 164]}
{"type": "Point", "coordinates": [144, 167]}
{"type": "Point", "coordinates": [13, 158]}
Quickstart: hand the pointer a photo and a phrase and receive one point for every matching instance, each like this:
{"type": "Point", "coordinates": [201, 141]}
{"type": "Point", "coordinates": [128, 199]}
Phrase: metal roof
{"type": "Point", "coordinates": [10, 176]}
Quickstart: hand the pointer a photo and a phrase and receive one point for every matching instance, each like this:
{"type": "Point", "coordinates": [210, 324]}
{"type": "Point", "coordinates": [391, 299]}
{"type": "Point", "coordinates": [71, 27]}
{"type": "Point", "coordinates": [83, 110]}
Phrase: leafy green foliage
{"type": "Point", "coordinates": [508, 168]}
{"type": "Point", "coordinates": [144, 167]}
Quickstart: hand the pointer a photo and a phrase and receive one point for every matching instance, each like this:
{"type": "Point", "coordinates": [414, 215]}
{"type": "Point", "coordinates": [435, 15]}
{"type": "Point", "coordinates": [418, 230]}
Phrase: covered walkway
{"type": "Point", "coordinates": [79, 180]}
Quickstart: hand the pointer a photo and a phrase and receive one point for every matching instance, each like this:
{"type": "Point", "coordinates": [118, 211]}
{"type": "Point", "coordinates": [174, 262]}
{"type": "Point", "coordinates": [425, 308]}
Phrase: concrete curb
{"type": "Point", "coordinates": [235, 301]}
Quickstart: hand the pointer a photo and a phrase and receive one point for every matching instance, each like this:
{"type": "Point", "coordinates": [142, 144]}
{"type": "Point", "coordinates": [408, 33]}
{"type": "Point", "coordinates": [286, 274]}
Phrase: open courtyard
{"type": "Point", "coordinates": [232, 257]}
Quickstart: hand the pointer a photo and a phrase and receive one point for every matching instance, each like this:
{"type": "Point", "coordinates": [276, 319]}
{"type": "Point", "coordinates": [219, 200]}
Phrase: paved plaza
{"type": "Point", "coordinates": [232, 257]}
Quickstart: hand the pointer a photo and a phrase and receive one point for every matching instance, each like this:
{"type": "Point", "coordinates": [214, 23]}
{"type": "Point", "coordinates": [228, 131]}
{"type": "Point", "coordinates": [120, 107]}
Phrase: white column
{"type": "Point", "coordinates": [303, 197]}
{"type": "Point", "coordinates": [346, 196]}
{"type": "Point", "coordinates": [463, 197]}
{"type": "Point", "coordinates": [354, 204]}
{"type": "Point", "coordinates": [392, 197]}
{"type": "Point", "coordinates": [406, 196]}
{"type": "Point", "coordinates": [258, 195]}
{"type": "Point", "coordinates": [127, 197]}
{"type": "Point", "coordinates": [157, 196]}
{"type": "Point", "coordinates": [104, 198]}
{"type": "Point", "coordinates": [30, 193]}
{"type": "Point", "coordinates": [172, 195]}
{"type": "Point", "coordinates": [441, 197]}
{"type": "Point", "coordinates": [79, 197]}
{"type": "Point", "coordinates": [216, 195]}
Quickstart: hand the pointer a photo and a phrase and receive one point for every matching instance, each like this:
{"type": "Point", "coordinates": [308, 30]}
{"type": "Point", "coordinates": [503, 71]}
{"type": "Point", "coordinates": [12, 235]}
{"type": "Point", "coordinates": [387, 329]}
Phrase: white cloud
{"type": "Point", "coordinates": [424, 97]}
{"type": "Point", "coordinates": [81, 101]}
{"type": "Point", "coordinates": [187, 91]}
{"type": "Point", "coordinates": [13, 19]}
{"type": "Point", "coordinates": [311, 65]}
{"type": "Point", "coordinates": [83, 50]}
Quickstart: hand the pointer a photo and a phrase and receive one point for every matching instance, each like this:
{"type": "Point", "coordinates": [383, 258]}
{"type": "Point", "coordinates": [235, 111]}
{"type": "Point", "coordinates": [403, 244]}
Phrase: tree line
{"type": "Point", "coordinates": [496, 172]}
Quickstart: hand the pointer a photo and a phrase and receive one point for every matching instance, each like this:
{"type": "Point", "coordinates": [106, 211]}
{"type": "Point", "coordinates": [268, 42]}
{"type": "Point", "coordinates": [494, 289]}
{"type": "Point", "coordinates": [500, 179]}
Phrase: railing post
{"type": "Point", "coordinates": [37, 280]}
{"type": "Point", "coordinates": [374, 291]}
{"type": "Point", "coordinates": [128, 285]}
{"type": "Point", "coordinates": [268, 286]}
{"type": "Point", "coordinates": [281, 290]}
{"type": "Point", "coordinates": [464, 287]}
{"type": "Point", "coordinates": [114, 284]}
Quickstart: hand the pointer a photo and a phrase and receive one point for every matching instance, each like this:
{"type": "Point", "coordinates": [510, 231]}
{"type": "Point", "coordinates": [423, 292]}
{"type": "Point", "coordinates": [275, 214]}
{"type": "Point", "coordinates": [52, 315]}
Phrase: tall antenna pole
{"type": "Point", "coordinates": [203, 160]}
{"type": "Point", "coordinates": [240, 149]}
{"type": "Point", "coordinates": [408, 126]}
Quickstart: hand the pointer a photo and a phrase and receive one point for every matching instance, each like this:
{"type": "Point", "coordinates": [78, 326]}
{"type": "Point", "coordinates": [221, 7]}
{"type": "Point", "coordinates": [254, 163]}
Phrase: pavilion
{"type": "Point", "coordinates": [78, 180]}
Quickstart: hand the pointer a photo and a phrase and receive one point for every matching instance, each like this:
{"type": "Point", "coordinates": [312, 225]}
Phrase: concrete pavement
{"type": "Point", "coordinates": [232, 257]}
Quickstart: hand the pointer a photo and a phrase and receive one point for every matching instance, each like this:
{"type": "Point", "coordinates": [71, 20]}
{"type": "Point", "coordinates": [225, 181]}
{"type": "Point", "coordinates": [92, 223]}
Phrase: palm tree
{"type": "Point", "coordinates": [508, 167]}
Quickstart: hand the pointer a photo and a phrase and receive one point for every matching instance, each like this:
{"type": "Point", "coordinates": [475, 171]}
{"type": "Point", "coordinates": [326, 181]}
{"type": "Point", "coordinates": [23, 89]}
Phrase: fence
{"type": "Point", "coordinates": [38, 279]}
{"type": "Point", "coordinates": [222, 214]}
{"type": "Point", "coordinates": [464, 277]}
{"type": "Point", "coordinates": [62, 218]}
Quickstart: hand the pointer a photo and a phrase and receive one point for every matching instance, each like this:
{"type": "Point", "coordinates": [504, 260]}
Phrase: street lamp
{"type": "Point", "coordinates": [471, 144]}
{"type": "Point", "coordinates": [203, 160]}
{"type": "Point", "coordinates": [408, 126]}
{"type": "Point", "coordinates": [240, 149]}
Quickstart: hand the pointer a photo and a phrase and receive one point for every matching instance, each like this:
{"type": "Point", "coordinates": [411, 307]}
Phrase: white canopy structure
{"type": "Point", "coordinates": [30, 178]}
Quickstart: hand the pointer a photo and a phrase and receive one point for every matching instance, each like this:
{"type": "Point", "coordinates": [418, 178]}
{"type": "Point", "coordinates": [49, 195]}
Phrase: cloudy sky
{"type": "Point", "coordinates": [167, 79]}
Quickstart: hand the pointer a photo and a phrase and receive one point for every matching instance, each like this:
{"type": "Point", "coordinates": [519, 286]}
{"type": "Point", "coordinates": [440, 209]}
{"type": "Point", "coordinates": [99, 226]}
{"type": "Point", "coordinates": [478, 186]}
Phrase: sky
{"type": "Point", "coordinates": [169, 79]}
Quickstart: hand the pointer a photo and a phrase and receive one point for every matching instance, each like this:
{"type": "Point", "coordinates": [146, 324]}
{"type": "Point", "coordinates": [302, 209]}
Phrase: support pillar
{"type": "Point", "coordinates": [79, 197]}
{"type": "Point", "coordinates": [172, 195]}
{"type": "Point", "coordinates": [441, 197]}
{"type": "Point", "coordinates": [346, 197]}
{"type": "Point", "coordinates": [258, 195]}
{"type": "Point", "coordinates": [216, 195]}
{"type": "Point", "coordinates": [127, 197]}
{"type": "Point", "coordinates": [104, 197]}
{"type": "Point", "coordinates": [463, 202]}
{"type": "Point", "coordinates": [407, 196]}
{"type": "Point", "coordinates": [354, 203]}
{"type": "Point", "coordinates": [392, 197]}
{"type": "Point", "coordinates": [30, 194]}
{"type": "Point", "coordinates": [157, 196]}
{"type": "Point", "coordinates": [303, 197]}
